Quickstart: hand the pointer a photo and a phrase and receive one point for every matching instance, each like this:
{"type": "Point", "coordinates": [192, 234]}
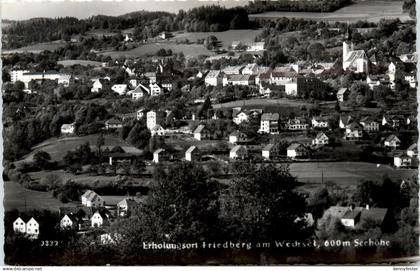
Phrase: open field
{"type": "Point", "coordinates": [191, 50]}
{"type": "Point", "coordinates": [58, 147]}
{"type": "Point", "coordinates": [37, 48]}
{"type": "Point", "coordinates": [17, 197]}
{"type": "Point", "coordinates": [67, 63]}
{"type": "Point", "coordinates": [371, 11]}
{"type": "Point", "coordinates": [346, 173]}
{"type": "Point", "coordinates": [260, 103]}
{"type": "Point", "coordinates": [227, 37]}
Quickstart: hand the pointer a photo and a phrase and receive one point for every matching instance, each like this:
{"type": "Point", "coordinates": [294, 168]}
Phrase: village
{"type": "Point", "coordinates": [91, 146]}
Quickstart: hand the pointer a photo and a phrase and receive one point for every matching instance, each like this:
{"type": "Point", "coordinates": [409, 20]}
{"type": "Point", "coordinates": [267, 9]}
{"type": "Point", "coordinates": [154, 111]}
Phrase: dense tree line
{"type": "Point", "coordinates": [300, 6]}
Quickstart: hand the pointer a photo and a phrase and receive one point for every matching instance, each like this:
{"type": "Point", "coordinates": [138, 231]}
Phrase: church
{"type": "Point", "coordinates": [354, 60]}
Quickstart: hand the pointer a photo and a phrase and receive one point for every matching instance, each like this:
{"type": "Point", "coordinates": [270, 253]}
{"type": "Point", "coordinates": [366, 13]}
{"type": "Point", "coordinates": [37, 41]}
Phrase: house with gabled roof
{"type": "Point", "coordinates": [121, 89]}
{"type": "Point", "coordinates": [19, 225]}
{"type": "Point", "coordinates": [201, 132]}
{"type": "Point", "coordinates": [369, 124]}
{"type": "Point", "coordinates": [30, 228]}
{"type": "Point", "coordinates": [113, 123]}
{"type": "Point", "coordinates": [402, 160]}
{"type": "Point", "coordinates": [157, 130]}
{"type": "Point", "coordinates": [96, 86]}
{"type": "Point", "coordinates": [321, 139]}
{"type": "Point", "coordinates": [240, 117]}
{"type": "Point", "coordinates": [160, 155]}
{"type": "Point", "coordinates": [71, 221]}
{"type": "Point", "coordinates": [238, 137]}
{"type": "Point", "coordinates": [91, 199]}
{"type": "Point", "coordinates": [67, 128]}
{"type": "Point", "coordinates": [100, 218]}
{"type": "Point", "coordinates": [413, 151]}
{"type": "Point", "coordinates": [394, 121]}
{"type": "Point", "coordinates": [193, 153]}
{"type": "Point", "coordinates": [269, 123]}
{"type": "Point", "coordinates": [343, 94]}
{"type": "Point", "coordinates": [269, 152]}
{"type": "Point", "coordinates": [238, 152]}
{"type": "Point", "coordinates": [128, 206]}
{"type": "Point", "coordinates": [392, 141]}
{"type": "Point", "coordinates": [296, 124]}
{"type": "Point", "coordinates": [354, 60]}
{"type": "Point", "coordinates": [297, 150]}
{"type": "Point", "coordinates": [320, 122]}
{"type": "Point", "coordinates": [344, 121]}
{"type": "Point", "coordinates": [139, 92]}
{"type": "Point", "coordinates": [353, 132]}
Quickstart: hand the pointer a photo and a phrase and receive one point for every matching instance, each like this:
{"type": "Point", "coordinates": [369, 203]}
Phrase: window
{"type": "Point", "coordinates": [36, 230]}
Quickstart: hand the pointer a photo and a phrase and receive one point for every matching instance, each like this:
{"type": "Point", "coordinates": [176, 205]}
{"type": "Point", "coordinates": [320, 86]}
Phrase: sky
{"type": "Point", "coordinates": [22, 10]}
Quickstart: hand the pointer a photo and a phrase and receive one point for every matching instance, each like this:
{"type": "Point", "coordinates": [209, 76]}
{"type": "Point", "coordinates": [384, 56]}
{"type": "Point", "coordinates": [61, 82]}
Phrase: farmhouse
{"type": "Point", "coordinates": [297, 150]}
{"type": "Point", "coordinates": [268, 152]}
{"type": "Point", "coordinates": [193, 154]}
{"type": "Point", "coordinates": [157, 130]}
{"type": "Point", "coordinates": [67, 129]}
{"type": "Point", "coordinates": [269, 123]}
{"type": "Point", "coordinates": [402, 160]}
{"type": "Point", "coordinates": [201, 132]}
{"type": "Point", "coordinates": [100, 218]}
{"type": "Point", "coordinates": [250, 69]}
{"type": "Point", "coordinates": [320, 122]}
{"type": "Point", "coordinates": [139, 92]}
{"type": "Point", "coordinates": [237, 137]}
{"type": "Point", "coordinates": [160, 155]}
{"type": "Point", "coordinates": [343, 94]}
{"type": "Point", "coordinates": [353, 131]}
{"type": "Point", "coordinates": [320, 139]}
{"type": "Point", "coordinates": [392, 141]}
{"type": "Point", "coordinates": [127, 207]}
{"type": "Point", "coordinates": [70, 221]}
{"type": "Point", "coordinates": [231, 70]}
{"type": "Point", "coordinates": [96, 86]}
{"type": "Point", "coordinates": [240, 117]}
{"type": "Point", "coordinates": [296, 124]}
{"type": "Point", "coordinates": [155, 89]}
{"type": "Point", "coordinates": [113, 124]}
{"type": "Point", "coordinates": [30, 229]}
{"type": "Point", "coordinates": [412, 151]}
{"type": "Point", "coordinates": [356, 218]}
{"type": "Point", "coordinates": [282, 77]}
{"type": "Point", "coordinates": [369, 124]}
{"type": "Point", "coordinates": [255, 46]}
{"type": "Point", "coordinates": [121, 89]}
{"type": "Point", "coordinates": [214, 78]}
{"type": "Point", "coordinates": [344, 121]}
{"type": "Point", "coordinates": [91, 199]}
{"type": "Point", "coordinates": [238, 152]}
{"type": "Point", "coordinates": [238, 80]}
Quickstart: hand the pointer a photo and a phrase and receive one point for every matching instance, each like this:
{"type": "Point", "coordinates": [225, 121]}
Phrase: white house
{"type": "Point", "coordinates": [214, 78]}
{"type": "Point", "coordinates": [238, 152]}
{"type": "Point", "coordinates": [321, 139]}
{"type": "Point", "coordinates": [240, 117]}
{"type": "Point", "coordinates": [402, 160]}
{"type": "Point", "coordinates": [412, 151]}
{"type": "Point", "coordinates": [231, 70]}
{"type": "Point", "coordinates": [355, 60]}
{"type": "Point", "coordinates": [250, 69]}
{"type": "Point", "coordinates": [155, 89]}
{"type": "Point", "coordinates": [255, 46]}
{"type": "Point", "coordinates": [139, 92]}
{"type": "Point", "coordinates": [297, 150]}
{"type": "Point", "coordinates": [343, 94]}
{"type": "Point", "coordinates": [19, 225]}
{"type": "Point", "coordinates": [157, 130]}
{"type": "Point", "coordinates": [32, 228]}
{"type": "Point", "coordinates": [201, 132]}
{"type": "Point", "coordinates": [99, 219]}
{"type": "Point", "coordinates": [150, 119]}
{"type": "Point", "coordinates": [320, 122]}
{"type": "Point", "coordinates": [353, 131]}
{"type": "Point", "coordinates": [267, 151]}
{"type": "Point", "coordinates": [159, 155]}
{"type": "Point", "coordinates": [192, 154]}
{"type": "Point", "coordinates": [237, 137]}
{"type": "Point", "coordinates": [280, 78]}
{"type": "Point", "coordinates": [121, 89]}
{"type": "Point", "coordinates": [369, 125]}
{"type": "Point", "coordinates": [67, 129]}
{"type": "Point", "coordinates": [96, 86]}
{"type": "Point", "coordinates": [411, 79]}
{"type": "Point", "coordinates": [296, 124]}
{"type": "Point", "coordinates": [17, 75]}
{"type": "Point", "coordinates": [269, 123]}
{"type": "Point", "coordinates": [344, 121]}
{"type": "Point", "coordinates": [128, 206]}
{"type": "Point", "coordinates": [291, 88]}
{"type": "Point", "coordinates": [91, 199]}
{"type": "Point", "coordinates": [392, 141]}
{"type": "Point", "coordinates": [69, 221]}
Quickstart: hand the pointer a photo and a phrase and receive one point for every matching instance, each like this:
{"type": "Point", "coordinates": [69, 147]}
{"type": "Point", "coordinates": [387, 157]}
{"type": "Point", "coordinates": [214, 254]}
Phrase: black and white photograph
{"type": "Point", "coordinates": [143, 133]}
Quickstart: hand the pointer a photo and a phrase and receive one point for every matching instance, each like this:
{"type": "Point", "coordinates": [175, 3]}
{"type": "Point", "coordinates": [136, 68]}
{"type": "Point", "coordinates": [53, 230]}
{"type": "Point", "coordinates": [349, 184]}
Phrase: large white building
{"type": "Point", "coordinates": [91, 199]}
{"type": "Point", "coordinates": [30, 228]}
{"type": "Point", "coordinates": [150, 119]}
{"type": "Point", "coordinates": [213, 78]}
